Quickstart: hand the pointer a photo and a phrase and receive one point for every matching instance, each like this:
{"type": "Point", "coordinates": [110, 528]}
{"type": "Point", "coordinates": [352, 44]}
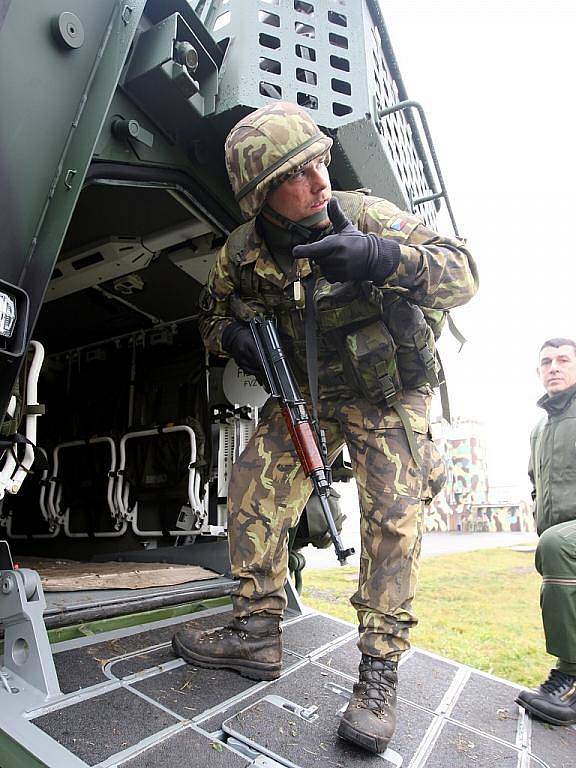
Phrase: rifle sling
{"type": "Point", "coordinates": [312, 349]}
{"type": "Point", "coordinates": [405, 419]}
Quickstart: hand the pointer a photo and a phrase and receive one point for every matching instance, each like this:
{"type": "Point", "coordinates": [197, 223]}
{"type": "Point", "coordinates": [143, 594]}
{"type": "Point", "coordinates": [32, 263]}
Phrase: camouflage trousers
{"type": "Point", "coordinates": [268, 491]}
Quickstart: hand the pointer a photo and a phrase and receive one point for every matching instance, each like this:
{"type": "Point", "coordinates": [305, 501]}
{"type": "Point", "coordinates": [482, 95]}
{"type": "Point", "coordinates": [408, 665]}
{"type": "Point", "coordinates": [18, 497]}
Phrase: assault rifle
{"type": "Point", "coordinates": [283, 387]}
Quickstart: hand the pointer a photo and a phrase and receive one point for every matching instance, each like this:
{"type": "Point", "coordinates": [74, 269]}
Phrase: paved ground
{"type": "Point", "coordinates": [432, 544]}
{"type": "Point", "coordinates": [447, 543]}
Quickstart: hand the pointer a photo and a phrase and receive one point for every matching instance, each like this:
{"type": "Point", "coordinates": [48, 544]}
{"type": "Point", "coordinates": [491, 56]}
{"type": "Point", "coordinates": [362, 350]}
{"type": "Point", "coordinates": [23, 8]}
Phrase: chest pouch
{"type": "Point", "coordinates": [370, 361]}
{"type": "Point", "coordinates": [414, 339]}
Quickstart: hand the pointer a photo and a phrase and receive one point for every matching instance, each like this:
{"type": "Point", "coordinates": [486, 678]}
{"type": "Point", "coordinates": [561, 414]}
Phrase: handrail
{"type": "Point", "coordinates": [436, 195]}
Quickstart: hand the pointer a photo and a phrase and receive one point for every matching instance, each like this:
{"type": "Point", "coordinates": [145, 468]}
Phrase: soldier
{"type": "Point", "coordinates": [376, 284]}
{"type": "Point", "coordinates": [553, 480]}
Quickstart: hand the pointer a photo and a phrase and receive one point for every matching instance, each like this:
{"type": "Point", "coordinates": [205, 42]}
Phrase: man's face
{"type": "Point", "coordinates": [303, 194]}
{"type": "Point", "coordinates": [557, 369]}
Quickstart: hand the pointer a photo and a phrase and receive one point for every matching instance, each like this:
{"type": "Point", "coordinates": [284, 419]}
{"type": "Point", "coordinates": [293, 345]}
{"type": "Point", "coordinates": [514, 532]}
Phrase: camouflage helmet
{"type": "Point", "coordinates": [266, 147]}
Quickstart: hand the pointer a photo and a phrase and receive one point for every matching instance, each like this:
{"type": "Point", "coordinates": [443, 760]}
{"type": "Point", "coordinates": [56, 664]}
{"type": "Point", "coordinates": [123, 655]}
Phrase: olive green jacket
{"type": "Point", "coordinates": [436, 273]}
{"type": "Point", "coordinates": [552, 467]}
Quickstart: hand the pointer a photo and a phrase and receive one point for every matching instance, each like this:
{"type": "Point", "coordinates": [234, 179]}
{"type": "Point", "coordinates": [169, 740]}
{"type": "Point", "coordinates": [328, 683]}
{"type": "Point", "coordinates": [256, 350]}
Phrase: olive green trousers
{"type": "Point", "coordinates": [556, 562]}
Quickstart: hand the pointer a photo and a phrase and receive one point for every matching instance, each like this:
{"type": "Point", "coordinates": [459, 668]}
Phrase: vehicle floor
{"type": "Point", "coordinates": [128, 701]}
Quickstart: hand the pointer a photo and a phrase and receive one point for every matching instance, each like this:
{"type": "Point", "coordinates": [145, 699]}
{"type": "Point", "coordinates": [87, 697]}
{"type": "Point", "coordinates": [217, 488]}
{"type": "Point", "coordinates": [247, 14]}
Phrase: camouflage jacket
{"type": "Point", "coordinates": [436, 273]}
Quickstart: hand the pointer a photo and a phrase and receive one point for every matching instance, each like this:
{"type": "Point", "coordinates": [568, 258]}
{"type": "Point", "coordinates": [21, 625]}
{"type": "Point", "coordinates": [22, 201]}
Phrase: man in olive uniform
{"type": "Point", "coordinates": [376, 284]}
{"type": "Point", "coordinates": [552, 471]}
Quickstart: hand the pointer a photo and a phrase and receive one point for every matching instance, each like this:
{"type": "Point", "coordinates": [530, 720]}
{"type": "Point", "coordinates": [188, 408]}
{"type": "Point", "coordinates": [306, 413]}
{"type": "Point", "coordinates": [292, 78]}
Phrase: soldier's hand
{"type": "Point", "coordinates": [349, 254]}
{"type": "Point", "coordinates": [238, 341]}
{"type": "Point", "coordinates": [341, 224]}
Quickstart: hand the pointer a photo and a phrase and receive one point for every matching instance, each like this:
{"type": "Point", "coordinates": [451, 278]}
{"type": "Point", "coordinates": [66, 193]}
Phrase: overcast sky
{"type": "Point", "coordinates": [497, 81]}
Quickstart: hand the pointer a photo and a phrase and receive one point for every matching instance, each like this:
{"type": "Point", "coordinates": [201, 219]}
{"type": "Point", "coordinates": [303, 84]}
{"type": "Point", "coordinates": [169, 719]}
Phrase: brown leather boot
{"type": "Point", "coordinates": [251, 646]}
{"type": "Point", "coordinates": [370, 718]}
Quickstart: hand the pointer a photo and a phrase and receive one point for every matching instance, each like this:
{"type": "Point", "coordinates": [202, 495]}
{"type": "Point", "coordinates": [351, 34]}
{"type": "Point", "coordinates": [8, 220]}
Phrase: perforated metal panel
{"type": "Point", "coordinates": [327, 56]}
{"type": "Point", "coordinates": [244, 430]}
{"type": "Point", "coordinates": [306, 52]}
{"type": "Point", "coordinates": [225, 457]}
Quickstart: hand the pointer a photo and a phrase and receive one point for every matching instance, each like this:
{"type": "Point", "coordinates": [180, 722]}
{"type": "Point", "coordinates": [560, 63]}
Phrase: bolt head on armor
{"type": "Point", "coordinates": [266, 147]}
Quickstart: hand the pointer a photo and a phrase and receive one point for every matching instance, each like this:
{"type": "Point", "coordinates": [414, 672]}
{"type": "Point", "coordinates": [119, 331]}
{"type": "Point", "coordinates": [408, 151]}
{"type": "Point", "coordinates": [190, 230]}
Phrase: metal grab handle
{"type": "Point", "coordinates": [436, 195]}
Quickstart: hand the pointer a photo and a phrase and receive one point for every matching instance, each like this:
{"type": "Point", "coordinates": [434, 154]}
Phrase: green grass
{"type": "Point", "coordinates": [479, 608]}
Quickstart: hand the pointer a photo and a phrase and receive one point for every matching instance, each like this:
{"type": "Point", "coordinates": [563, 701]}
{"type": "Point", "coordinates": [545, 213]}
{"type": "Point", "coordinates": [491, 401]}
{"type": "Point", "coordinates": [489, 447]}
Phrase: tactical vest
{"type": "Point", "coordinates": [371, 340]}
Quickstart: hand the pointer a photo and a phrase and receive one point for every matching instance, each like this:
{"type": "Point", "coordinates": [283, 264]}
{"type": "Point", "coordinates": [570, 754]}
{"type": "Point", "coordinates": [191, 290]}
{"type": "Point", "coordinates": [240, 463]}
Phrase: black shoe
{"type": "Point", "coordinates": [370, 718]}
{"type": "Point", "coordinates": [554, 701]}
{"type": "Point", "coordinates": [251, 646]}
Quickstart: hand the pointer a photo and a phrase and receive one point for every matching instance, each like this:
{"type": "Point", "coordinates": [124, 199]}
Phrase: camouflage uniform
{"type": "Point", "coordinates": [267, 490]}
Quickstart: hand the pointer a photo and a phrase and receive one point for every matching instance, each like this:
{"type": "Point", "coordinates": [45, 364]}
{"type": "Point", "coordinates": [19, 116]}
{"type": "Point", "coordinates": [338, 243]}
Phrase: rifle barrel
{"type": "Point", "coordinates": [283, 387]}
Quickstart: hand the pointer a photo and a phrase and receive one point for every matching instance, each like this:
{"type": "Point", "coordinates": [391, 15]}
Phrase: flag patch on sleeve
{"type": "Point", "coordinates": [398, 224]}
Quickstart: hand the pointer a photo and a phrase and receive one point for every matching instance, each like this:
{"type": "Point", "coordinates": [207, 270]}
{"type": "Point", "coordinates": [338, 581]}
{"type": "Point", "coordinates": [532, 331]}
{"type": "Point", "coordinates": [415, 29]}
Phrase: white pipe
{"type": "Point", "coordinates": [67, 532]}
{"type": "Point", "coordinates": [122, 497]}
{"type": "Point", "coordinates": [9, 532]}
{"type": "Point", "coordinates": [53, 524]}
{"type": "Point", "coordinates": [52, 485]}
{"type": "Point", "coordinates": [120, 529]}
{"type": "Point", "coordinates": [121, 487]}
{"type": "Point", "coordinates": [42, 497]}
{"type": "Point", "coordinates": [11, 410]}
{"type": "Point", "coordinates": [31, 418]}
{"type": "Point", "coordinates": [56, 485]}
{"type": "Point", "coordinates": [7, 470]}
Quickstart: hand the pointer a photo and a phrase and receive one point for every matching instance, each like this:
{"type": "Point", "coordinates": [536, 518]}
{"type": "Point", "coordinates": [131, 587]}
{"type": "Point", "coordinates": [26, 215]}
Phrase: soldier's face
{"type": "Point", "coordinates": [303, 194]}
{"type": "Point", "coordinates": [557, 369]}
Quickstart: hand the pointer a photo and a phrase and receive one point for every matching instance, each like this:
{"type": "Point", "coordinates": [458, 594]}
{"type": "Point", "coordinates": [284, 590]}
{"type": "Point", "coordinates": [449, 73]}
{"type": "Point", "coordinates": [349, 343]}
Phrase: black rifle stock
{"type": "Point", "coordinates": [283, 387]}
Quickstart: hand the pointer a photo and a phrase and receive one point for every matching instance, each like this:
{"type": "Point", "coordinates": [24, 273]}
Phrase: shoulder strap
{"type": "Point", "coordinates": [444, 399]}
{"type": "Point", "coordinates": [238, 239]}
{"type": "Point", "coordinates": [455, 331]}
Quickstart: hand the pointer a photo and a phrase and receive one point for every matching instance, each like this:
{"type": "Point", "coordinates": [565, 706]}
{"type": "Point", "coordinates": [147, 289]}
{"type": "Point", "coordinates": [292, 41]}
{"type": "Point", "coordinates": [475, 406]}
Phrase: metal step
{"type": "Point", "coordinates": [66, 608]}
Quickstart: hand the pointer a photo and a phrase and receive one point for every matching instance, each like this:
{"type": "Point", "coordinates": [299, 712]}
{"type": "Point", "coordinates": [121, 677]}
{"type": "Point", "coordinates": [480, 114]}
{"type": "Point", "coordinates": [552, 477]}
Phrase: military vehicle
{"type": "Point", "coordinates": [118, 433]}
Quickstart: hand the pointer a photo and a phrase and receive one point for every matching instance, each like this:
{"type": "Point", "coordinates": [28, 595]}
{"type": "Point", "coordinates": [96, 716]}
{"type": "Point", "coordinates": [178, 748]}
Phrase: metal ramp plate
{"type": "Point", "coordinates": [275, 727]}
{"type": "Point", "coordinates": [311, 685]}
{"type": "Point", "coordinates": [95, 728]}
{"type": "Point", "coordinates": [127, 702]}
{"type": "Point", "coordinates": [180, 750]}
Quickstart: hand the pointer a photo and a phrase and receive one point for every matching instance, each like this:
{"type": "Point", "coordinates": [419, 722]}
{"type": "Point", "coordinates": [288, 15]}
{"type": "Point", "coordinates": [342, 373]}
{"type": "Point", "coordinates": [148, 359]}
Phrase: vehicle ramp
{"type": "Point", "coordinates": [128, 701]}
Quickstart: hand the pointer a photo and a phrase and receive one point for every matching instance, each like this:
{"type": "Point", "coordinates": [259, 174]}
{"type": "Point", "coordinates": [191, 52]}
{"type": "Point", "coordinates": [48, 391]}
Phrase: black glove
{"type": "Point", "coordinates": [238, 341]}
{"type": "Point", "coordinates": [350, 254]}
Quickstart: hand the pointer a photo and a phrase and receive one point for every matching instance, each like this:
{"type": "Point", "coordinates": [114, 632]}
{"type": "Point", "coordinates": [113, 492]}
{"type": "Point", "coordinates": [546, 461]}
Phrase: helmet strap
{"type": "Point", "coordinates": [305, 228]}
{"type": "Point", "coordinates": [282, 234]}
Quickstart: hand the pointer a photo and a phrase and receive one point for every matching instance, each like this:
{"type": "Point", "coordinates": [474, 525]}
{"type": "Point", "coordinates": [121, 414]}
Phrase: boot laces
{"type": "Point", "coordinates": [556, 681]}
{"type": "Point", "coordinates": [377, 686]}
{"type": "Point", "coordinates": [239, 628]}
{"type": "Point", "coordinates": [222, 633]}
{"type": "Point", "coordinates": [373, 696]}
